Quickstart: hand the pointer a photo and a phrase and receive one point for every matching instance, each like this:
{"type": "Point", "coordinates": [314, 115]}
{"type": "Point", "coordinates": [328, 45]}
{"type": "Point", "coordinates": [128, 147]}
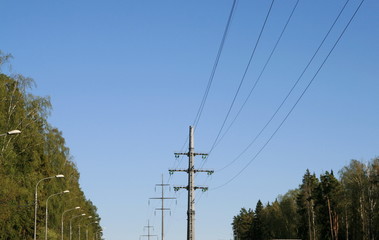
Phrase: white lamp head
{"type": "Point", "coordinates": [59, 176]}
{"type": "Point", "coordinates": [77, 208]}
{"type": "Point", "coordinates": [66, 191]}
{"type": "Point", "coordinates": [14, 132]}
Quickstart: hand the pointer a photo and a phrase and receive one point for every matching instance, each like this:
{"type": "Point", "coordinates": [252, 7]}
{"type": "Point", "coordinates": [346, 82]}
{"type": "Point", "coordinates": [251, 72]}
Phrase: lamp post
{"type": "Point", "coordinates": [13, 132]}
{"type": "Point", "coordinates": [79, 227]}
{"type": "Point", "coordinates": [87, 228]}
{"type": "Point", "coordinates": [81, 215]}
{"type": "Point", "coordinates": [36, 203]}
{"type": "Point", "coordinates": [47, 208]}
{"type": "Point", "coordinates": [76, 208]}
{"type": "Point", "coordinates": [98, 232]}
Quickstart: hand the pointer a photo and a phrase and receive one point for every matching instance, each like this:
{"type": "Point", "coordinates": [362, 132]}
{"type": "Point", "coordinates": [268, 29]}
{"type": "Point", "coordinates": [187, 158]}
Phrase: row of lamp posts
{"type": "Point", "coordinates": [15, 132]}
{"type": "Point", "coordinates": [47, 211]}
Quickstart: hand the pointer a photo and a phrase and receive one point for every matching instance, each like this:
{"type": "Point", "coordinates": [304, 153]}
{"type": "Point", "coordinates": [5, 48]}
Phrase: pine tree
{"type": "Point", "coordinates": [258, 231]}
{"type": "Point", "coordinates": [306, 206]}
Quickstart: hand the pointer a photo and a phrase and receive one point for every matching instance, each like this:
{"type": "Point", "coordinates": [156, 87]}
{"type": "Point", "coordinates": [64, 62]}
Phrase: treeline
{"type": "Point", "coordinates": [25, 159]}
{"type": "Point", "coordinates": [324, 208]}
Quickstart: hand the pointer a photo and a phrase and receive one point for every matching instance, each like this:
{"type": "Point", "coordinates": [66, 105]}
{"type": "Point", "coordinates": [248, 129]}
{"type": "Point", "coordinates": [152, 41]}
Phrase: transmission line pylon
{"type": "Point", "coordinates": [148, 232]}
{"type": "Point", "coordinates": [191, 183]}
{"type": "Point", "coordinates": [162, 198]}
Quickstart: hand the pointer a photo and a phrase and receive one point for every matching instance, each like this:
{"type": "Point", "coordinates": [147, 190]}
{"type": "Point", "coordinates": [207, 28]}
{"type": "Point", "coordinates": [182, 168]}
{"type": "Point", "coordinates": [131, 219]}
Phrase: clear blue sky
{"type": "Point", "coordinates": [126, 79]}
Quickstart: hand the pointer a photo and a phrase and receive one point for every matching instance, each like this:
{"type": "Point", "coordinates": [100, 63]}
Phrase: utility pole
{"type": "Point", "coordinates": [148, 231]}
{"type": "Point", "coordinates": [191, 183]}
{"type": "Point", "coordinates": [162, 198]}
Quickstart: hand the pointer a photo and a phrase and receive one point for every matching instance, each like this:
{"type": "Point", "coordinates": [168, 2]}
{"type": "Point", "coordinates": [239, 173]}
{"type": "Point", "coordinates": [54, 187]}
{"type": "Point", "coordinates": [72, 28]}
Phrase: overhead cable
{"type": "Point", "coordinates": [298, 100]}
{"type": "Point", "coordinates": [244, 75]}
{"type": "Point", "coordinates": [213, 72]}
{"type": "Point", "coordinates": [291, 90]}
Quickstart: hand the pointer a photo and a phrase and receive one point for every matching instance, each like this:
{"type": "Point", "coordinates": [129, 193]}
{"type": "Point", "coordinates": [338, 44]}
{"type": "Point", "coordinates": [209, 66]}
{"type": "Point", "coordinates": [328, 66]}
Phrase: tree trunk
{"type": "Point", "coordinates": [330, 219]}
{"type": "Point", "coordinates": [313, 220]}
{"type": "Point", "coordinates": [346, 224]}
{"type": "Point", "coordinates": [309, 220]}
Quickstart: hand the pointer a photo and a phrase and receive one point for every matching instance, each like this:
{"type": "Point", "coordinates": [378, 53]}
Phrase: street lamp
{"type": "Point", "coordinates": [76, 208]}
{"type": "Point", "coordinates": [98, 232]}
{"type": "Point", "coordinates": [87, 228]}
{"type": "Point", "coordinates": [81, 215]}
{"type": "Point", "coordinates": [36, 203]}
{"type": "Point", "coordinates": [47, 207]}
{"type": "Point", "coordinates": [79, 226]}
{"type": "Point", "coordinates": [13, 132]}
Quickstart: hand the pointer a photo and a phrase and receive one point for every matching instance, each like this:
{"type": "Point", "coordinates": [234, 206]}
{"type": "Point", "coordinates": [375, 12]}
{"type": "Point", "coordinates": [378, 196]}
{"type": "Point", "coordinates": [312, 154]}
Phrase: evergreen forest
{"type": "Point", "coordinates": [322, 208]}
{"type": "Point", "coordinates": [37, 162]}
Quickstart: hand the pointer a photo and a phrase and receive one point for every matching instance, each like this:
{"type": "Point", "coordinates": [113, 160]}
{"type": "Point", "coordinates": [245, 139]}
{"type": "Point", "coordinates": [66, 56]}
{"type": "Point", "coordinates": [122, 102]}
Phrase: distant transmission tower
{"type": "Point", "coordinates": [191, 184]}
{"type": "Point", "coordinates": [162, 198]}
{"type": "Point", "coordinates": [148, 232]}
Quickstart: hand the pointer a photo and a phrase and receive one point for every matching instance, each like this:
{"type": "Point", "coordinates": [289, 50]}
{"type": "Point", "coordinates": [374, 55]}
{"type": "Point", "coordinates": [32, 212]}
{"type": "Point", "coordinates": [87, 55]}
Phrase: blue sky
{"type": "Point", "coordinates": [126, 79]}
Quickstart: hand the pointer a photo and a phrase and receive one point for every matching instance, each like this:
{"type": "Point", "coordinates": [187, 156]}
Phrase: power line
{"type": "Point", "coordinates": [298, 100]}
{"type": "Point", "coordinates": [291, 90]}
{"type": "Point", "coordinates": [253, 87]}
{"type": "Point", "coordinates": [213, 72]}
{"type": "Point", "coordinates": [244, 75]}
{"type": "Point", "coordinates": [261, 73]}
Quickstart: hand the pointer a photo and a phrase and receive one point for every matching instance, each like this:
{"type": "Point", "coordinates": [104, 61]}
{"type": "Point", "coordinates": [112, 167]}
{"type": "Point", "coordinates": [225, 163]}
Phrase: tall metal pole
{"type": "Point", "coordinates": [81, 215]}
{"type": "Point", "coordinates": [36, 206]}
{"type": "Point", "coordinates": [191, 192]}
{"type": "Point", "coordinates": [47, 211]}
{"type": "Point", "coordinates": [63, 218]}
{"type": "Point", "coordinates": [87, 228]}
{"type": "Point", "coordinates": [191, 184]}
{"type": "Point", "coordinates": [162, 227]}
{"type": "Point", "coordinates": [36, 202]}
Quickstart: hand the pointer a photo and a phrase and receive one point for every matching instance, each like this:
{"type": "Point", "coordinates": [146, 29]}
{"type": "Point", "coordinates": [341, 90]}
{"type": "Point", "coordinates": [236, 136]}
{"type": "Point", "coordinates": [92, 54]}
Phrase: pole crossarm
{"type": "Point", "coordinates": [204, 189]}
{"type": "Point", "coordinates": [162, 198]}
{"type": "Point", "coordinates": [171, 171]}
{"type": "Point", "coordinates": [177, 188]}
{"type": "Point", "coordinates": [188, 153]}
{"type": "Point", "coordinates": [209, 172]}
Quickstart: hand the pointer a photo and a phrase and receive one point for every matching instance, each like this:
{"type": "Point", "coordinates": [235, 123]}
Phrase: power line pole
{"type": "Point", "coordinates": [162, 198]}
{"type": "Point", "coordinates": [148, 231]}
{"type": "Point", "coordinates": [191, 183]}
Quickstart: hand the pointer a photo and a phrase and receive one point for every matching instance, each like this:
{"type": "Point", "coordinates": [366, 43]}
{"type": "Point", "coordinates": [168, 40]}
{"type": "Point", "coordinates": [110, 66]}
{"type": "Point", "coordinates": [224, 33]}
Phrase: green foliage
{"type": "Point", "coordinates": [306, 206]}
{"type": "Point", "coordinates": [38, 152]}
{"type": "Point", "coordinates": [258, 230]}
{"type": "Point", "coordinates": [321, 208]}
{"type": "Point", "coordinates": [242, 224]}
